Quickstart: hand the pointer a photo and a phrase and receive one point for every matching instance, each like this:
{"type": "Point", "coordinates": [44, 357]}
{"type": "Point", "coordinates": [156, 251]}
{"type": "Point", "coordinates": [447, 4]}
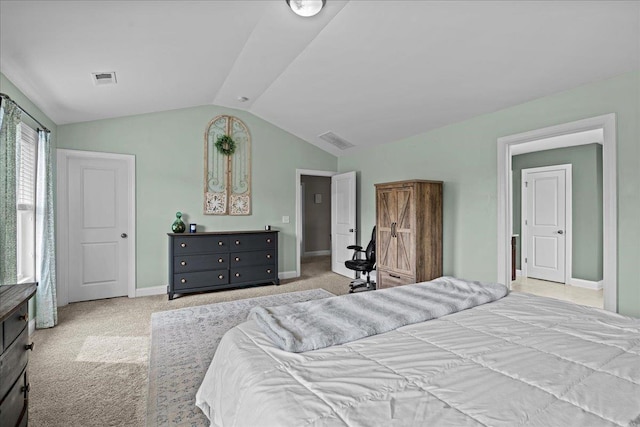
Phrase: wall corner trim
{"type": "Point", "coordinates": [588, 284]}
{"type": "Point", "coordinates": [283, 275]}
{"type": "Point", "coordinates": [146, 292]}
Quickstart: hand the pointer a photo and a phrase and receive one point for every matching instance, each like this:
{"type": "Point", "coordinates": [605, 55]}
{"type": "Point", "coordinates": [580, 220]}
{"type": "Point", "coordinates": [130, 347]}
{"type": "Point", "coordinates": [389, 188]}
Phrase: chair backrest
{"type": "Point", "coordinates": [370, 252]}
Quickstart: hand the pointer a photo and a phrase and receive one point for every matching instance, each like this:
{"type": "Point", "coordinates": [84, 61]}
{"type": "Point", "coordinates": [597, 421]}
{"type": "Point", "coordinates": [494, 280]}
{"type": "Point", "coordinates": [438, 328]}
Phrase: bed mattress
{"type": "Point", "coordinates": [522, 360]}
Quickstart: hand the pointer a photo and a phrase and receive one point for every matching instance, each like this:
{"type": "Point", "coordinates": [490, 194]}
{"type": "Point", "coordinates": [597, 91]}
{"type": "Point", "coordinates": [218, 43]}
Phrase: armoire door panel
{"type": "Point", "coordinates": [405, 253]}
{"type": "Point", "coordinates": [385, 254]}
{"type": "Point", "coordinates": [386, 209]}
{"type": "Point", "coordinates": [405, 212]}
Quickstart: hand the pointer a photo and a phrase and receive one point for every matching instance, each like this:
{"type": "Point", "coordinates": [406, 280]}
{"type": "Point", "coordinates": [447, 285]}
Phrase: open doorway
{"type": "Point", "coordinates": [315, 246]}
{"type": "Point", "coordinates": [557, 221]}
{"type": "Point", "coordinates": [343, 217]}
{"type": "Point", "coordinates": [565, 135]}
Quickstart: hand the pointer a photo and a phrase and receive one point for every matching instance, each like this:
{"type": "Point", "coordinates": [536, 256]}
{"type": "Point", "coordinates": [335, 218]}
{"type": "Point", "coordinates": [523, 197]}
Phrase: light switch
{"type": "Point", "coordinates": [285, 219]}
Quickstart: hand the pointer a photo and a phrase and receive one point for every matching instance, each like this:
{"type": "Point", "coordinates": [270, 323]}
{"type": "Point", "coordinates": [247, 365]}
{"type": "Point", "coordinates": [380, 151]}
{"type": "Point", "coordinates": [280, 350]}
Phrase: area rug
{"type": "Point", "coordinates": [182, 346]}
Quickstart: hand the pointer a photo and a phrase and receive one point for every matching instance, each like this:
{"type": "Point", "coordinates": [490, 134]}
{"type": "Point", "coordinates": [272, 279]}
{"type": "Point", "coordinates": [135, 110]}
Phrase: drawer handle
{"type": "Point", "coordinates": [220, 260]}
{"type": "Point", "coordinates": [183, 281]}
{"type": "Point", "coordinates": [24, 317]}
{"type": "Point", "coordinates": [220, 243]}
{"type": "Point", "coordinates": [183, 263]}
{"type": "Point", "coordinates": [26, 388]}
{"type": "Point", "coordinates": [394, 276]}
{"type": "Point", "coordinates": [237, 258]}
{"type": "Point", "coordinates": [237, 242]}
{"type": "Point", "coordinates": [220, 276]}
{"type": "Point", "coordinates": [268, 256]}
{"type": "Point", "coordinates": [268, 270]}
{"type": "Point", "coordinates": [29, 347]}
{"type": "Point", "coordinates": [237, 274]}
{"type": "Point", "coordinates": [183, 245]}
{"type": "Point", "coordinates": [268, 240]}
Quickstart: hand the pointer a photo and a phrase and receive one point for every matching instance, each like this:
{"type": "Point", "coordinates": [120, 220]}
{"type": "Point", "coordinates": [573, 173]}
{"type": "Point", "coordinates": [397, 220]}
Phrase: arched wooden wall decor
{"type": "Point", "coordinates": [227, 179]}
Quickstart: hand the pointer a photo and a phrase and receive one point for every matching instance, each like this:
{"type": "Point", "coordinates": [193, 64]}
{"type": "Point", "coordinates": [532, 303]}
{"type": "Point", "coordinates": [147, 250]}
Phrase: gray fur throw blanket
{"type": "Point", "coordinates": [316, 324]}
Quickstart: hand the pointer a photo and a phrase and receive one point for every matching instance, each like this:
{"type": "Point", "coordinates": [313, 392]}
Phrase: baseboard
{"type": "Point", "coordinates": [588, 284]}
{"type": "Point", "coordinates": [317, 253]}
{"type": "Point", "coordinates": [154, 290]}
{"type": "Point", "coordinates": [518, 272]}
{"type": "Point", "coordinates": [283, 275]}
{"type": "Point", "coordinates": [32, 326]}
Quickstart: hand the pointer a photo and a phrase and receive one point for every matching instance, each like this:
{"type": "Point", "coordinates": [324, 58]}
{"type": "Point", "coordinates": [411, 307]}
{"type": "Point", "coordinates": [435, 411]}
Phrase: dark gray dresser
{"type": "Point", "coordinates": [14, 342]}
{"type": "Point", "coordinates": [220, 260]}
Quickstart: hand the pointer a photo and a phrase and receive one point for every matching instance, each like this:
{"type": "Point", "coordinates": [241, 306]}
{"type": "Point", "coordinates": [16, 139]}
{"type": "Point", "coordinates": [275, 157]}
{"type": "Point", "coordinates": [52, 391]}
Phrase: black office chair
{"type": "Point", "coordinates": [366, 265]}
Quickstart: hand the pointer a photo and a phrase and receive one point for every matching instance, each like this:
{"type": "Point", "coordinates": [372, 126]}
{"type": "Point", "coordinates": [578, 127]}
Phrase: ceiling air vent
{"type": "Point", "coordinates": [336, 140]}
{"type": "Point", "coordinates": [104, 78]}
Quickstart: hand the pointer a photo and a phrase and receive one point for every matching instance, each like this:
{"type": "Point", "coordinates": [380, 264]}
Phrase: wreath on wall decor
{"type": "Point", "coordinates": [226, 145]}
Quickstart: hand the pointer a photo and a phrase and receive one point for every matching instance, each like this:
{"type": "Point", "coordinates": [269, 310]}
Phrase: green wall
{"type": "Point", "coordinates": [169, 149]}
{"type": "Point", "coordinates": [586, 170]}
{"type": "Point", "coordinates": [464, 156]}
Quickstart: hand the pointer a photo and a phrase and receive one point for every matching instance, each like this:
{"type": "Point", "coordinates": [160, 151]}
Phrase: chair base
{"type": "Point", "coordinates": [365, 285]}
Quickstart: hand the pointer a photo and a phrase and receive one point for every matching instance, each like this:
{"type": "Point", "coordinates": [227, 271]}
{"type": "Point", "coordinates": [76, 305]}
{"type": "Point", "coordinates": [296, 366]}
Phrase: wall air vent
{"type": "Point", "coordinates": [104, 78]}
{"type": "Point", "coordinates": [336, 140]}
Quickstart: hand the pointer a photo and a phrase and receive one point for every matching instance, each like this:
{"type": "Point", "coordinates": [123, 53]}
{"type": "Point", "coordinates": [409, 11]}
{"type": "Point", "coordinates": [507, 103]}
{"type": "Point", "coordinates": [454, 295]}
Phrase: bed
{"type": "Point", "coordinates": [522, 360]}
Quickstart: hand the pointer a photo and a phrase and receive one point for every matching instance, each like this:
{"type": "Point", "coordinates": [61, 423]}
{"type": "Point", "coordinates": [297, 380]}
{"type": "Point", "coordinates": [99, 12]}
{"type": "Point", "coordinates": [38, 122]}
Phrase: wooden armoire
{"type": "Point", "coordinates": [408, 232]}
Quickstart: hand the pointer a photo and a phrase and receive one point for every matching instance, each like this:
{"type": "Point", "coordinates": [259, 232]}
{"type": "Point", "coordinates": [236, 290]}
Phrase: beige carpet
{"type": "Point", "coordinates": [91, 369]}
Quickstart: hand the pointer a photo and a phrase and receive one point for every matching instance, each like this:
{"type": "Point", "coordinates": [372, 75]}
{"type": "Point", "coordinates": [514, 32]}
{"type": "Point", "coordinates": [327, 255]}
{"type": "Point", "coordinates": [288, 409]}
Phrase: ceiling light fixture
{"type": "Point", "coordinates": [306, 8]}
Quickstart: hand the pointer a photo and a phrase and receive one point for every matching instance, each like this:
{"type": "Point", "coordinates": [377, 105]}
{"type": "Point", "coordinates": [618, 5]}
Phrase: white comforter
{"type": "Point", "coordinates": [523, 360]}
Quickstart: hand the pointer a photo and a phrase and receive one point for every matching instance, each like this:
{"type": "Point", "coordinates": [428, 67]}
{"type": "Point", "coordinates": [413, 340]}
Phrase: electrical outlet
{"type": "Point", "coordinates": [285, 219]}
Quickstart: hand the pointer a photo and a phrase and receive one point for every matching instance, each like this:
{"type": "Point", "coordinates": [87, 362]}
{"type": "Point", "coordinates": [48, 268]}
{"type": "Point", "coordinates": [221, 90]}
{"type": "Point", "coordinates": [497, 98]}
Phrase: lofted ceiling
{"type": "Point", "coordinates": [370, 71]}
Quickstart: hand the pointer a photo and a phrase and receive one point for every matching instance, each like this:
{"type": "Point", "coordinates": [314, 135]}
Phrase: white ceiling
{"type": "Point", "coordinates": [371, 71]}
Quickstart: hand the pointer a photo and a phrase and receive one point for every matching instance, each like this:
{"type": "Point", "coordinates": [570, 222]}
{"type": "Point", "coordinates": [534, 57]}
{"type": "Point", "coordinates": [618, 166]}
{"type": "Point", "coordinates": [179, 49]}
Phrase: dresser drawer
{"type": "Point", "coordinates": [13, 360]}
{"type": "Point", "coordinates": [200, 279]}
{"type": "Point", "coordinates": [188, 263]}
{"type": "Point", "coordinates": [14, 404]}
{"type": "Point", "coordinates": [388, 279]}
{"type": "Point", "coordinates": [196, 244]}
{"type": "Point", "coordinates": [15, 323]}
{"type": "Point", "coordinates": [252, 242]}
{"type": "Point", "coordinates": [242, 259]}
{"type": "Point", "coordinates": [260, 273]}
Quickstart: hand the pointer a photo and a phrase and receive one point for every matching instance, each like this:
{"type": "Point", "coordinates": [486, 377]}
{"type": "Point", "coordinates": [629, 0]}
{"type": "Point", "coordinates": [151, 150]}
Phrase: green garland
{"type": "Point", "coordinates": [226, 145]}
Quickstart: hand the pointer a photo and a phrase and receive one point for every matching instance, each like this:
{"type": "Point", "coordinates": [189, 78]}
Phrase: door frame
{"type": "Point", "coordinates": [299, 173]}
{"type": "Point", "coordinates": [607, 124]}
{"type": "Point", "coordinates": [568, 228]}
{"type": "Point", "coordinates": [62, 245]}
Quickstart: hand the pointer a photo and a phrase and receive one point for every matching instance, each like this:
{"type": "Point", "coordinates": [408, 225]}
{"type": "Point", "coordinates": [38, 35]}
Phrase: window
{"type": "Point", "coordinates": [26, 152]}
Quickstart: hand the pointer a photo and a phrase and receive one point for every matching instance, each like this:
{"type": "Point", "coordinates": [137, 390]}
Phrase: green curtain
{"type": "Point", "coordinates": [46, 305]}
{"type": "Point", "coordinates": [10, 116]}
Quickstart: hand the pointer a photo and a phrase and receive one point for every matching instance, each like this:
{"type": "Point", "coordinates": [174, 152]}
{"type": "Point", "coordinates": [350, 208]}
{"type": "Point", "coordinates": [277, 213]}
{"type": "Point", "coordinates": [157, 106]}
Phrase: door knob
{"type": "Point", "coordinates": [560, 232]}
{"type": "Point", "coordinates": [351, 230]}
{"type": "Point", "coordinates": [123, 235]}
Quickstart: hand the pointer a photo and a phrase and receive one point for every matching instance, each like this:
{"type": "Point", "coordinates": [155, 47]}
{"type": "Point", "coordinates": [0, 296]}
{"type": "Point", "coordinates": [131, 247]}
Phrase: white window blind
{"type": "Point", "coordinates": [26, 168]}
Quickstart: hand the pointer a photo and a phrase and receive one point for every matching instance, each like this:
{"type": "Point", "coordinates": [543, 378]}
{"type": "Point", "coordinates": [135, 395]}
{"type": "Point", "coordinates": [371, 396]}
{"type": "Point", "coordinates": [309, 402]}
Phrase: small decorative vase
{"type": "Point", "coordinates": [178, 226]}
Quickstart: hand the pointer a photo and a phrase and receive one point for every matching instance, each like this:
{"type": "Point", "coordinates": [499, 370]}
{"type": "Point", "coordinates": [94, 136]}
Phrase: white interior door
{"type": "Point", "coordinates": [98, 228]}
{"type": "Point", "coordinates": [302, 249]}
{"type": "Point", "coordinates": [546, 224]}
{"type": "Point", "coordinates": [343, 221]}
